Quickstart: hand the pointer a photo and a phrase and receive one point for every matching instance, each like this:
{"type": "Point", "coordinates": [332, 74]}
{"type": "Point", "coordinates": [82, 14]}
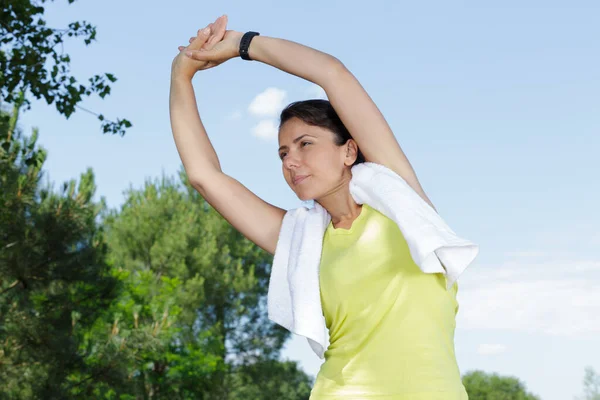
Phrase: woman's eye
{"type": "Point", "coordinates": [282, 155]}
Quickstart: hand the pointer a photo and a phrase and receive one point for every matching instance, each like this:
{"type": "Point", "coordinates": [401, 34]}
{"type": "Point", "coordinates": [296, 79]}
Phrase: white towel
{"type": "Point", "coordinates": [294, 299]}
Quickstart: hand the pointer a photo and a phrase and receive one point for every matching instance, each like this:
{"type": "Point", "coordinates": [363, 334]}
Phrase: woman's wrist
{"type": "Point", "coordinates": [237, 40]}
{"type": "Point", "coordinates": [178, 76]}
{"type": "Point", "coordinates": [252, 47]}
{"type": "Point", "coordinates": [254, 51]}
{"type": "Point", "coordinates": [294, 58]}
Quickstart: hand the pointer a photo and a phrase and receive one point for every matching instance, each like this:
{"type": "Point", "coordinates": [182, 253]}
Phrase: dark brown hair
{"type": "Point", "coordinates": [320, 113]}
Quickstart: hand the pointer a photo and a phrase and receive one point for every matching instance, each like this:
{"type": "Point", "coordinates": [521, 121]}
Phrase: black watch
{"type": "Point", "coordinates": [245, 44]}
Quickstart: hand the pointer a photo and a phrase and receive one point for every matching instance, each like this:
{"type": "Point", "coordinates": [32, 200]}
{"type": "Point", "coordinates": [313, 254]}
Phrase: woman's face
{"type": "Point", "coordinates": [313, 165]}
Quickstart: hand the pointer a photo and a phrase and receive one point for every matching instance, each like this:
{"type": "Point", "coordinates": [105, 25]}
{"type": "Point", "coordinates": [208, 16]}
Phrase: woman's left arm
{"type": "Point", "coordinates": [352, 103]}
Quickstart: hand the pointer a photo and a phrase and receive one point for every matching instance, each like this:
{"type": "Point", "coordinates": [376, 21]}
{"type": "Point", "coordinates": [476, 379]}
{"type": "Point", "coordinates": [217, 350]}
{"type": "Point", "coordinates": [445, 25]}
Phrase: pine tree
{"type": "Point", "coordinates": [54, 281]}
{"type": "Point", "coordinates": [198, 287]}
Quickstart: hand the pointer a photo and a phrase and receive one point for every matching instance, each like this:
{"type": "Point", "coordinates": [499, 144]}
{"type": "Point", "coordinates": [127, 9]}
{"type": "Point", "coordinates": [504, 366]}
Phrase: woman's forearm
{"type": "Point", "coordinates": [195, 149]}
{"type": "Point", "coordinates": [294, 58]}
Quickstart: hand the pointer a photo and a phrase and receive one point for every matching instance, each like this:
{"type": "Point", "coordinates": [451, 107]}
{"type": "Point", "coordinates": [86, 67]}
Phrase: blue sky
{"type": "Point", "coordinates": [495, 104]}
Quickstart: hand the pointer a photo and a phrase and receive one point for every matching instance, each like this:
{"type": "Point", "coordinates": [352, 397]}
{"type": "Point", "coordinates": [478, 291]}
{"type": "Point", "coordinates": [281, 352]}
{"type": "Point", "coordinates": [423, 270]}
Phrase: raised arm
{"type": "Point", "coordinates": [256, 219]}
{"type": "Point", "coordinates": [355, 108]}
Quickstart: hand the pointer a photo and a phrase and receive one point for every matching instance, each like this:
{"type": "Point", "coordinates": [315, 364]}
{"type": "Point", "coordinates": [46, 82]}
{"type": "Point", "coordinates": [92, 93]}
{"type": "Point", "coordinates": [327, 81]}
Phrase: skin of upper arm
{"type": "Point", "coordinates": [259, 221]}
{"type": "Point", "coordinates": [367, 125]}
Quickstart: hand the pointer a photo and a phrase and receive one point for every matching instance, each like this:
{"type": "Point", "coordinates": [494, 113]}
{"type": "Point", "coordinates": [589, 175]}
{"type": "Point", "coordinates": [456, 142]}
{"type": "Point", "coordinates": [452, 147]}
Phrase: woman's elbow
{"type": "Point", "coordinates": [336, 67]}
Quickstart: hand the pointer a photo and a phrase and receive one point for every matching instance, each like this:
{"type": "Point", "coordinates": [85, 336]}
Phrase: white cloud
{"type": "Point", "coordinates": [491, 349]}
{"type": "Point", "coordinates": [316, 92]}
{"type": "Point", "coordinates": [266, 129]}
{"type": "Point", "coordinates": [535, 296]}
{"type": "Point", "coordinates": [269, 103]}
{"type": "Point", "coordinates": [234, 116]}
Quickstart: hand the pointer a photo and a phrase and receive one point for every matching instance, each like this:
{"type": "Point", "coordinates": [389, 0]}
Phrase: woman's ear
{"type": "Point", "coordinates": [351, 152]}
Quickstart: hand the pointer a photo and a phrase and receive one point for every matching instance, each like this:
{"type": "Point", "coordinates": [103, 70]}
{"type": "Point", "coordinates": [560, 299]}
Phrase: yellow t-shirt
{"type": "Point", "coordinates": [391, 326]}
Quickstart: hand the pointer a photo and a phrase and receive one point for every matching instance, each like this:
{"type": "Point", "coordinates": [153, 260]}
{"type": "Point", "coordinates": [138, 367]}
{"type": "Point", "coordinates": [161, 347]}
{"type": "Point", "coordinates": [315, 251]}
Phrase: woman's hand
{"type": "Point", "coordinates": [222, 46]}
{"type": "Point", "coordinates": [206, 39]}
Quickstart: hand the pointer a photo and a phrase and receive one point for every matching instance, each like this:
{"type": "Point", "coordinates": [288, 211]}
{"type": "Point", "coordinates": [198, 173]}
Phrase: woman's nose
{"type": "Point", "coordinates": [291, 161]}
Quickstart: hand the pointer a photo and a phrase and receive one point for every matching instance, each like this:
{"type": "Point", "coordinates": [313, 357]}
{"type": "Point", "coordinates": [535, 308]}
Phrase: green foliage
{"type": "Point", "coordinates": [192, 310]}
{"type": "Point", "coordinates": [32, 64]}
{"type": "Point", "coordinates": [54, 281]}
{"type": "Point", "coordinates": [269, 380]}
{"type": "Point", "coordinates": [484, 386]}
{"type": "Point", "coordinates": [160, 299]}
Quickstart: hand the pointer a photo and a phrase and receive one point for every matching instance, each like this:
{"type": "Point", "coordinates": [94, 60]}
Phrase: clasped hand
{"type": "Point", "coordinates": [213, 45]}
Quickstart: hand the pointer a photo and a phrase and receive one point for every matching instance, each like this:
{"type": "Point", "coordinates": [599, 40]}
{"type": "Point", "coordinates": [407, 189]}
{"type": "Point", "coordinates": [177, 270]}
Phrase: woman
{"type": "Point", "coordinates": [391, 326]}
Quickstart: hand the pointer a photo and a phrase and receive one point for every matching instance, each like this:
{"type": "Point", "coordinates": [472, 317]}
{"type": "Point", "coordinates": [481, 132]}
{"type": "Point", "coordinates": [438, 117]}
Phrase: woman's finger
{"type": "Point", "coordinates": [202, 37]}
{"type": "Point", "coordinates": [201, 55]}
{"type": "Point", "coordinates": [218, 32]}
{"type": "Point", "coordinates": [209, 26]}
{"type": "Point", "coordinates": [212, 32]}
{"type": "Point", "coordinates": [217, 29]}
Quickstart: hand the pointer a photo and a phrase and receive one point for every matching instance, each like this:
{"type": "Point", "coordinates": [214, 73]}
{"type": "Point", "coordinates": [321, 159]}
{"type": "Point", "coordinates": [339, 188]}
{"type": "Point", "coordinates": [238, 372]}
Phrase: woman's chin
{"type": "Point", "coordinates": [303, 198]}
{"type": "Point", "coordinates": [305, 192]}
{"type": "Point", "coordinates": [304, 195]}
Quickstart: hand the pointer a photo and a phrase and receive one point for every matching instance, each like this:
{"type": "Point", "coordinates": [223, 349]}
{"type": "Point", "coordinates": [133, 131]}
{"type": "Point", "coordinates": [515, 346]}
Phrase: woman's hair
{"type": "Point", "coordinates": [320, 113]}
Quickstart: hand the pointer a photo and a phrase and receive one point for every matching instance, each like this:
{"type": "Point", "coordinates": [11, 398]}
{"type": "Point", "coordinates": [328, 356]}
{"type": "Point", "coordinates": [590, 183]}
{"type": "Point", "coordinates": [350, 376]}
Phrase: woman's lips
{"type": "Point", "coordinates": [300, 179]}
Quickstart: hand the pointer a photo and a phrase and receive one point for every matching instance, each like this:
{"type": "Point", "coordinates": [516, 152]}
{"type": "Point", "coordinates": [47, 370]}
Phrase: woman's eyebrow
{"type": "Point", "coordinates": [296, 140]}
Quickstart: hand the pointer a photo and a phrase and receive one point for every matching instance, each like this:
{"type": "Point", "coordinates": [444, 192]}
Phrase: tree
{"type": "Point", "coordinates": [484, 386]}
{"type": "Point", "coordinates": [160, 299]}
{"type": "Point", "coordinates": [591, 385]}
{"type": "Point", "coordinates": [54, 281]}
{"type": "Point", "coordinates": [198, 288]}
{"type": "Point", "coordinates": [269, 380]}
{"type": "Point", "coordinates": [32, 65]}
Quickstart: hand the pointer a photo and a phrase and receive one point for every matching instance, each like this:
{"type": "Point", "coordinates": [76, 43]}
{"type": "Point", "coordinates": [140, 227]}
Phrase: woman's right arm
{"type": "Point", "coordinates": [256, 219]}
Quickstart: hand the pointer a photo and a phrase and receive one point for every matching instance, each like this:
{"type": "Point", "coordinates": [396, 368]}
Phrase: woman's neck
{"type": "Point", "coordinates": [341, 206]}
